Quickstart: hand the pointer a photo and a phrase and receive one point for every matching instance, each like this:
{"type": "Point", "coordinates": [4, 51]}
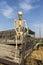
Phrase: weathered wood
{"type": "Point", "coordinates": [7, 54]}
{"type": "Point", "coordinates": [7, 62]}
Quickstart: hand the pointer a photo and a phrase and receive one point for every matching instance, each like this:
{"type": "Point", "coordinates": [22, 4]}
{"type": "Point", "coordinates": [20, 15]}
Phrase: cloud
{"type": "Point", "coordinates": [25, 6]}
{"type": "Point", "coordinates": [38, 24]}
{"type": "Point", "coordinates": [7, 10]}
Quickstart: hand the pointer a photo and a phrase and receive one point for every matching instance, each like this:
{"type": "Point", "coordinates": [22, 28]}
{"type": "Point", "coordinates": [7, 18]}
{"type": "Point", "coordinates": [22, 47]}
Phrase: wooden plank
{"type": "Point", "coordinates": [5, 61]}
{"type": "Point", "coordinates": [7, 55]}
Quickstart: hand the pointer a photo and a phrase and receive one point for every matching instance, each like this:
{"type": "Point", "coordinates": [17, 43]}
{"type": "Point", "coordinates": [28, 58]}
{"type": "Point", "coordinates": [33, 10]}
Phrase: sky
{"type": "Point", "coordinates": [32, 12]}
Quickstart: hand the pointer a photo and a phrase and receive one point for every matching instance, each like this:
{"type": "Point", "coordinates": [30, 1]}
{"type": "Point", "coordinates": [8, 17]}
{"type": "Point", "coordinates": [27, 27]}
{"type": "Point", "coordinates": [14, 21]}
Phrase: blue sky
{"type": "Point", "coordinates": [32, 13]}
